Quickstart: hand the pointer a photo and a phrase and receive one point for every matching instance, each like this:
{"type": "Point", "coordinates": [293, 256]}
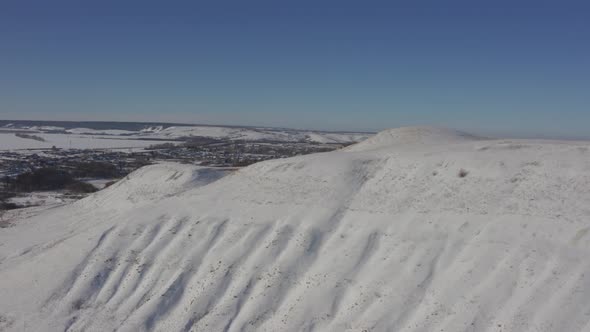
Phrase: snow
{"type": "Point", "coordinates": [10, 217]}
{"type": "Point", "coordinates": [45, 128]}
{"type": "Point", "coordinates": [100, 132]}
{"type": "Point", "coordinates": [8, 141]}
{"type": "Point", "coordinates": [335, 137]}
{"type": "Point", "coordinates": [256, 134]}
{"type": "Point", "coordinates": [83, 138]}
{"type": "Point", "coordinates": [382, 236]}
{"type": "Point", "coordinates": [45, 198]}
{"type": "Point", "coordinates": [99, 183]}
{"type": "Point", "coordinates": [152, 129]}
{"type": "Point", "coordinates": [412, 136]}
{"type": "Point", "coordinates": [86, 138]}
{"type": "Point", "coordinates": [156, 182]}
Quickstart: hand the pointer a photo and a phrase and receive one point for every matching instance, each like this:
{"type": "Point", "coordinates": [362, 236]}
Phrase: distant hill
{"type": "Point", "coordinates": [98, 125]}
{"type": "Point", "coordinates": [155, 130]}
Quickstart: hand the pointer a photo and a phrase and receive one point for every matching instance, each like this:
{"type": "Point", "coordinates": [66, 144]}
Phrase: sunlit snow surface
{"type": "Point", "coordinates": [85, 138]}
{"type": "Point", "coordinates": [8, 141]}
{"type": "Point", "coordinates": [382, 236]}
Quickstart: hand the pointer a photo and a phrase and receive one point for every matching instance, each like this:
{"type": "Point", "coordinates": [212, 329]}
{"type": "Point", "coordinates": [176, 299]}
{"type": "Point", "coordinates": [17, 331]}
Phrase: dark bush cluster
{"type": "Point", "coordinates": [161, 146]}
{"type": "Point", "coordinates": [9, 206]}
{"type": "Point", "coordinates": [4, 204]}
{"type": "Point", "coordinates": [42, 179]}
{"type": "Point", "coordinates": [94, 169]}
{"type": "Point", "coordinates": [46, 179]}
{"type": "Point", "coordinates": [80, 187]}
{"type": "Point", "coordinates": [29, 136]}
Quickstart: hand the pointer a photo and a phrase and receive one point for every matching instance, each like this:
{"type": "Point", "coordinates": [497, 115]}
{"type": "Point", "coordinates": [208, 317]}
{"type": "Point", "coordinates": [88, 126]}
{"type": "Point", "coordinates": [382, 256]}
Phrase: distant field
{"type": "Point", "coordinates": [120, 135]}
{"type": "Point", "coordinates": [9, 141]}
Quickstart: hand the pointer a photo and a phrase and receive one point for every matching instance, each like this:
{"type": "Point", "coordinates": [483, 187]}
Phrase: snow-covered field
{"type": "Point", "coordinates": [80, 138]}
{"type": "Point", "coordinates": [8, 141]}
{"type": "Point", "coordinates": [41, 198]}
{"type": "Point", "coordinates": [415, 229]}
{"type": "Point", "coordinates": [86, 138]}
{"type": "Point", "coordinates": [89, 131]}
{"type": "Point", "coordinates": [256, 134]}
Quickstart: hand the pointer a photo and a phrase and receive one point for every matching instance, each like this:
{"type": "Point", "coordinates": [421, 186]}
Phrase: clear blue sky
{"type": "Point", "coordinates": [515, 67]}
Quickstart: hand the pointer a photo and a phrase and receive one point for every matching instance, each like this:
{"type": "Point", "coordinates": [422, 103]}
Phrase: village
{"type": "Point", "coordinates": [83, 171]}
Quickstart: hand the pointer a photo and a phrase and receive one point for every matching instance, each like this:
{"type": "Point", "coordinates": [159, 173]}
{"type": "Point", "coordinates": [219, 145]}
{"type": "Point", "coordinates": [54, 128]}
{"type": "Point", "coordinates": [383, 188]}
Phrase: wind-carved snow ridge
{"type": "Point", "coordinates": [387, 235]}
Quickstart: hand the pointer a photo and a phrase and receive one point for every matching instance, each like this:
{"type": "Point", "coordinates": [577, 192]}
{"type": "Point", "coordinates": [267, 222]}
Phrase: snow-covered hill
{"type": "Point", "coordinates": [80, 137]}
{"type": "Point", "coordinates": [416, 229]}
{"type": "Point", "coordinates": [411, 136]}
{"type": "Point", "coordinates": [256, 134]}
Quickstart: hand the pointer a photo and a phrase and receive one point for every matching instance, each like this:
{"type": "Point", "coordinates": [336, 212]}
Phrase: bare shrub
{"type": "Point", "coordinates": [462, 173]}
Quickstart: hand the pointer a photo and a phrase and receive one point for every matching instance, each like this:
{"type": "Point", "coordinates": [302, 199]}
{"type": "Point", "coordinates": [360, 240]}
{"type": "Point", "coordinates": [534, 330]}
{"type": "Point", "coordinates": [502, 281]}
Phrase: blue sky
{"type": "Point", "coordinates": [518, 68]}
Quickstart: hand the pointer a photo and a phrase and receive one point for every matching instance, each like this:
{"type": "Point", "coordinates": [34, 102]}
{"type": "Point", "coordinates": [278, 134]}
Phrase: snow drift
{"type": "Point", "coordinates": [384, 236]}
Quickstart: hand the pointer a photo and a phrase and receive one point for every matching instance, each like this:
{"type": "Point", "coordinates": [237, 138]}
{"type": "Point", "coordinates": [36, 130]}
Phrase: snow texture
{"type": "Point", "coordinates": [382, 236]}
{"type": "Point", "coordinates": [8, 141]}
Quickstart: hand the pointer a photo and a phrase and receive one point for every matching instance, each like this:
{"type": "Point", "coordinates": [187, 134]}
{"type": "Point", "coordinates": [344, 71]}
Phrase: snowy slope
{"type": "Point", "coordinates": [412, 136]}
{"type": "Point", "coordinates": [384, 236]}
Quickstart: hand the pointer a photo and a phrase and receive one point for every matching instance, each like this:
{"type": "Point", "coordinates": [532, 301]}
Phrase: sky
{"type": "Point", "coordinates": [518, 68]}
